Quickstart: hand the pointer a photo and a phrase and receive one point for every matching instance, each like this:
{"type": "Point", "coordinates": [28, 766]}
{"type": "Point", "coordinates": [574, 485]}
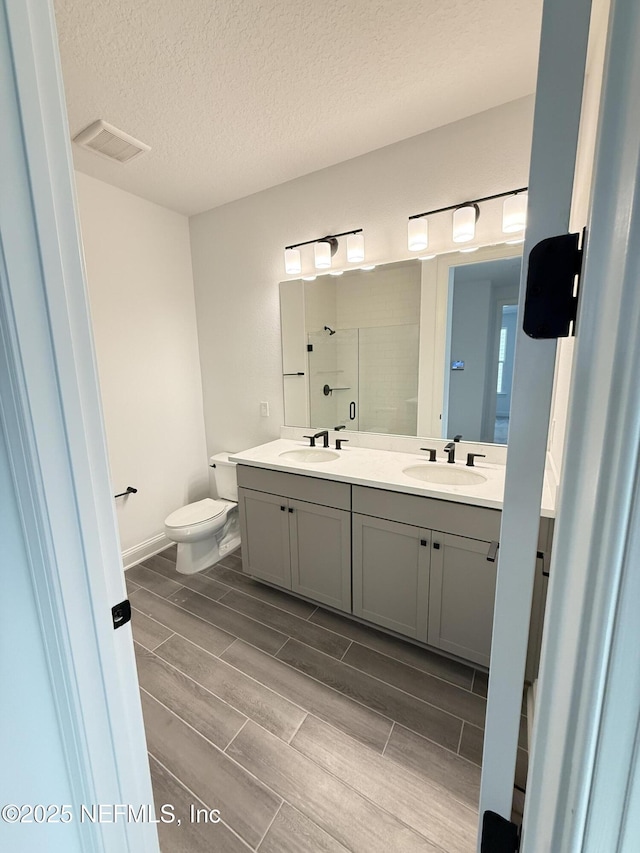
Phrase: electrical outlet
{"type": "Point", "coordinates": [264, 410]}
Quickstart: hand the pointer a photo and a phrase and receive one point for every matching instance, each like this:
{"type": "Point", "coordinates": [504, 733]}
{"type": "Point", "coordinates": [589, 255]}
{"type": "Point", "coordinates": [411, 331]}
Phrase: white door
{"type": "Point", "coordinates": [71, 724]}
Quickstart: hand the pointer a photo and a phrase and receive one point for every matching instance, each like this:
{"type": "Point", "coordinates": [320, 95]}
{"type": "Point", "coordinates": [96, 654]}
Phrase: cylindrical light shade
{"type": "Point", "coordinates": [292, 263]}
{"type": "Point", "coordinates": [418, 234]}
{"type": "Point", "coordinates": [514, 213]}
{"type": "Point", "coordinates": [355, 248]}
{"type": "Point", "coordinates": [322, 255]}
{"type": "Point", "coordinates": [464, 224]}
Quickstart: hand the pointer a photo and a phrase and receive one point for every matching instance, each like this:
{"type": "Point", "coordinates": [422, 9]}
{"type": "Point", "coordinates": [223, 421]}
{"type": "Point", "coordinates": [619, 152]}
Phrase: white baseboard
{"type": "Point", "coordinates": [133, 556]}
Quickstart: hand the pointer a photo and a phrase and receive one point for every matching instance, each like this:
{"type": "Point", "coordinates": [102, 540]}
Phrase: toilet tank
{"type": "Point", "coordinates": [224, 473]}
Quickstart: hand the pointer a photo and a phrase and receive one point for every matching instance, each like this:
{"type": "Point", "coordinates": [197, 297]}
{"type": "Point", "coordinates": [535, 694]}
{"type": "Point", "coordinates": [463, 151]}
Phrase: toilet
{"type": "Point", "coordinates": [206, 530]}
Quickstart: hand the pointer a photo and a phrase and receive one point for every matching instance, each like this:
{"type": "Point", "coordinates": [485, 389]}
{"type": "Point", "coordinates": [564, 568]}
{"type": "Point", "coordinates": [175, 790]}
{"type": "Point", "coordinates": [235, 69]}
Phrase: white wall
{"type": "Point", "coordinates": [143, 315]}
{"type": "Point", "coordinates": [237, 249]}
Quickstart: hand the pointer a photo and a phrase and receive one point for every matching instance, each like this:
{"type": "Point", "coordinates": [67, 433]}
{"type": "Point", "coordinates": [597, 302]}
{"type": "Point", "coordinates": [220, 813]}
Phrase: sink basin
{"type": "Point", "coordinates": [310, 454]}
{"type": "Point", "coordinates": [445, 474]}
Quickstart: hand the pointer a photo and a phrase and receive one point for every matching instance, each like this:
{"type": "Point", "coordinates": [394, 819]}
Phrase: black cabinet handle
{"type": "Point", "coordinates": [283, 509]}
{"type": "Point", "coordinates": [492, 552]}
{"type": "Point", "coordinates": [436, 545]}
{"type": "Point", "coordinates": [352, 411]}
{"type": "Point", "coordinates": [290, 509]}
{"type": "Point", "coordinates": [424, 543]}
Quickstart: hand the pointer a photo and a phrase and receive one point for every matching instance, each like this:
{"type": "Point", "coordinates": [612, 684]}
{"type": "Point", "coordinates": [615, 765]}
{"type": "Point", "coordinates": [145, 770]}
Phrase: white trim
{"type": "Point", "coordinates": [55, 435]}
{"type": "Point", "coordinates": [583, 781]}
{"type": "Point", "coordinates": [136, 554]}
{"type": "Point", "coordinates": [561, 66]}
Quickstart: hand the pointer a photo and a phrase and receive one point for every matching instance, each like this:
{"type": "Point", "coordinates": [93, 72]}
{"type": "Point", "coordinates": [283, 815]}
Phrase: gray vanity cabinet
{"type": "Point", "coordinates": [391, 574]}
{"type": "Point", "coordinates": [418, 566]}
{"type": "Point", "coordinates": [264, 522]}
{"type": "Point", "coordinates": [320, 539]}
{"type": "Point", "coordinates": [461, 597]}
{"type": "Point", "coordinates": [417, 571]}
{"type": "Point", "coordinates": [296, 533]}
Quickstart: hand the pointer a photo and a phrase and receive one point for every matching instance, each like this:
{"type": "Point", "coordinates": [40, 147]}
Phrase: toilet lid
{"type": "Point", "coordinates": [196, 512]}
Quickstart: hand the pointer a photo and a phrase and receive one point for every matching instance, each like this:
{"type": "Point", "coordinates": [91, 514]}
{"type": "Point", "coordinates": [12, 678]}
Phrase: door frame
{"type": "Point", "coordinates": [584, 779]}
{"type": "Point", "coordinates": [52, 419]}
{"type": "Point", "coordinates": [558, 107]}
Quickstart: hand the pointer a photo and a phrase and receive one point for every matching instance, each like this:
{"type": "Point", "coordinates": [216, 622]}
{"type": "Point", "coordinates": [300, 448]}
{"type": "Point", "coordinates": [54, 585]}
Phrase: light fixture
{"type": "Point", "coordinates": [309, 277]}
{"type": "Point", "coordinates": [514, 213]}
{"type": "Point", "coordinates": [324, 248]}
{"type": "Point", "coordinates": [336, 272]}
{"type": "Point", "coordinates": [368, 268]}
{"type": "Point", "coordinates": [355, 248]}
{"type": "Point", "coordinates": [417, 234]}
{"type": "Point", "coordinates": [470, 249]}
{"type": "Point", "coordinates": [514, 242]}
{"type": "Point", "coordinates": [464, 222]}
{"type": "Point", "coordinates": [426, 257]}
{"type": "Point", "coordinates": [465, 216]}
{"type": "Point", "coordinates": [292, 263]}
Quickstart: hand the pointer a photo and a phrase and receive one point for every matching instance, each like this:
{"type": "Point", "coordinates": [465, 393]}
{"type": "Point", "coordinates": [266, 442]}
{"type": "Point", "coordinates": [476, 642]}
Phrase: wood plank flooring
{"type": "Point", "coordinates": [308, 732]}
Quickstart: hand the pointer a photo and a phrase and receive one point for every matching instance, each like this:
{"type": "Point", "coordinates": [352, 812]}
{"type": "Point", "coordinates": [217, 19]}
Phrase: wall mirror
{"type": "Point", "coordinates": [408, 348]}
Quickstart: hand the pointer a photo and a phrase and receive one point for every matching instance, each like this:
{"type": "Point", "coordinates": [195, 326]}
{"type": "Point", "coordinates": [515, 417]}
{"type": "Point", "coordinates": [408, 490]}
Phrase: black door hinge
{"type": "Point", "coordinates": [499, 835]}
{"type": "Point", "coordinates": [309, 347]}
{"type": "Point", "coordinates": [553, 280]}
{"type": "Point", "coordinates": [121, 613]}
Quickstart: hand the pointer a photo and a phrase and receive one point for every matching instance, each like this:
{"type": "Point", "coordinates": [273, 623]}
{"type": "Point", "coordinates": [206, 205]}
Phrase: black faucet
{"type": "Point", "coordinates": [450, 450]}
{"type": "Point", "coordinates": [324, 434]}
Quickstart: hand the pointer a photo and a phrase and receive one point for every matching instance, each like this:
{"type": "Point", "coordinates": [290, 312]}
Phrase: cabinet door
{"type": "Point", "coordinates": [321, 553]}
{"type": "Point", "coordinates": [264, 528]}
{"type": "Point", "coordinates": [461, 598]}
{"type": "Point", "coordinates": [391, 574]}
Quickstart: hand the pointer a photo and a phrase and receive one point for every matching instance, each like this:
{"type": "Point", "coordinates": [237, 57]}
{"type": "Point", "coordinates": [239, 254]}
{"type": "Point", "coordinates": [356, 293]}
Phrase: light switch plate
{"type": "Point", "coordinates": [264, 409]}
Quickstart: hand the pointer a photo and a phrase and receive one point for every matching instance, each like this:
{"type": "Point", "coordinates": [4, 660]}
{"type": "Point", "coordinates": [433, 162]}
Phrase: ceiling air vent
{"type": "Point", "coordinates": [105, 139]}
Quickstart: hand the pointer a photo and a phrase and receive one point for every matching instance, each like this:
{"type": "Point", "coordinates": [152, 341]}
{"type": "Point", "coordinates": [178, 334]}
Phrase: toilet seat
{"type": "Point", "coordinates": [196, 513]}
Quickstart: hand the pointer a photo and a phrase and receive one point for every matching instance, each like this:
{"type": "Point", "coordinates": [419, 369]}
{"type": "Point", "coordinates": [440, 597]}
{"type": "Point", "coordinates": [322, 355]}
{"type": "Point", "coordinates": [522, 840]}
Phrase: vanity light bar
{"type": "Point", "coordinates": [465, 216]}
{"type": "Point", "coordinates": [323, 250]}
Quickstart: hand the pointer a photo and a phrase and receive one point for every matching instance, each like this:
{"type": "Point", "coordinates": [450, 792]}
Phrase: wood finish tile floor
{"type": "Point", "coordinates": [307, 731]}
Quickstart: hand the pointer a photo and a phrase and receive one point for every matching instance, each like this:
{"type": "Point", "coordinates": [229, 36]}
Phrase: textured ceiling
{"type": "Point", "coordinates": [235, 96]}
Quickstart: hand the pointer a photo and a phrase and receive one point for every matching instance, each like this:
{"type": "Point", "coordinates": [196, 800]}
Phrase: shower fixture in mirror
{"type": "Point", "coordinates": [417, 347]}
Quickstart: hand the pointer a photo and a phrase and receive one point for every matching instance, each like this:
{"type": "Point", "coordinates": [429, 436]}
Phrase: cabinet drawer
{"type": "Point", "coordinates": [449, 517]}
{"type": "Point", "coordinates": [296, 486]}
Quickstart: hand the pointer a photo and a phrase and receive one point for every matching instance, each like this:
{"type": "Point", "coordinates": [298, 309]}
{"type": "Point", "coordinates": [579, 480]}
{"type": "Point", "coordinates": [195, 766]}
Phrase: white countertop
{"type": "Point", "coordinates": [383, 469]}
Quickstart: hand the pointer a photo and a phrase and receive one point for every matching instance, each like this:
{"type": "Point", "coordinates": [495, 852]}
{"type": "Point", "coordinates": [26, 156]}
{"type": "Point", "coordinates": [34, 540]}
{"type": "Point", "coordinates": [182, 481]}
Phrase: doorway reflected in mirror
{"type": "Point", "coordinates": [482, 313]}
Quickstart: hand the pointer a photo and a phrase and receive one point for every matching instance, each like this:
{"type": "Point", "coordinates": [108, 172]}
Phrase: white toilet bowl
{"type": "Point", "coordinates": [198, 529]}
{"type": "Point", "coordinates": [205, 530]}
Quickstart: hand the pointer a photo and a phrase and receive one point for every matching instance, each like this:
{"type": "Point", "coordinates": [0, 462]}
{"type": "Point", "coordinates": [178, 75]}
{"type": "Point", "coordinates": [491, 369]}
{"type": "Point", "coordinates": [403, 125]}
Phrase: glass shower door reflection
{"type": "Point", "coordinates": [333, 379]}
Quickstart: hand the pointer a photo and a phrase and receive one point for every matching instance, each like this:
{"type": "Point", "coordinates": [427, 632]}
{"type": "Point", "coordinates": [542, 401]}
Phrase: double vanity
{"type": "Point", "coordinates": [395, 540]}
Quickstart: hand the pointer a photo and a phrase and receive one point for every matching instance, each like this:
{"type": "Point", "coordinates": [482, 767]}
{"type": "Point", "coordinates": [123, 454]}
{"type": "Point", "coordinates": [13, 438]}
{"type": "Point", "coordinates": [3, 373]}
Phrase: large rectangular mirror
{"type": "Point", "coordinates": [409, 348]}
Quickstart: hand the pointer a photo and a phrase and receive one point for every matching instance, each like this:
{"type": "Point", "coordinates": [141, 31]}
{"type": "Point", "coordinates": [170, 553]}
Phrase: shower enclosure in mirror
{"type": "Point", "coordinates": [409, 348]}
{"type": "Point", "coordinates": [365, 379]}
